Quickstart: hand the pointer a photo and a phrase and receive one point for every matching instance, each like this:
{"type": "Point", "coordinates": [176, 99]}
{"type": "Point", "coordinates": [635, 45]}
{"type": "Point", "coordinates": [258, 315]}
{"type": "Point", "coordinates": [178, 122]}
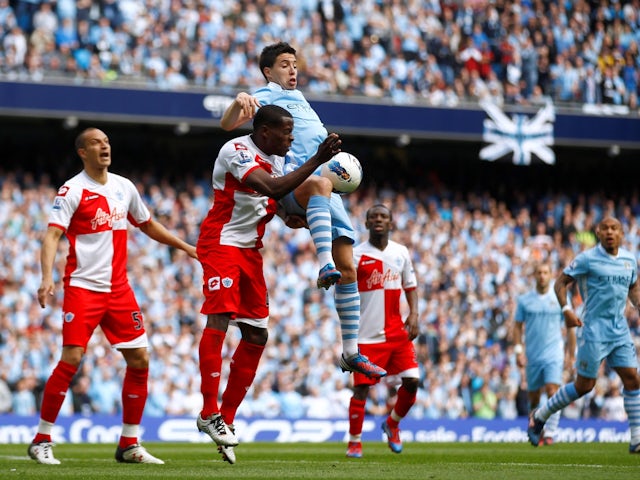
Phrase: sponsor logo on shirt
{"type": "Point", "coordinates": [91, 197]}
{"type": "Point", "coordinates": [103, 218]}
{"type": "Point", "coordinates": [62, 191]}
{"type": "Point", "coordinates": [213, 283]}
{"type": "Point", "coordinates": [245, 157]}
{"type": "Point", "coordinates": [380, 278]}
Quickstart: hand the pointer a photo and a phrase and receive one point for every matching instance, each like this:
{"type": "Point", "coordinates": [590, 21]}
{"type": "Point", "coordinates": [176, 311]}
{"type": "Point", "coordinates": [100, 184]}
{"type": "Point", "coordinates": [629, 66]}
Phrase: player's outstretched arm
{"type": "Point", "coordinates": [278, 187]}
{"type": "Point", "coordinates": [239, 112]}
{"type": "Point", "coordinates": [159, 233]}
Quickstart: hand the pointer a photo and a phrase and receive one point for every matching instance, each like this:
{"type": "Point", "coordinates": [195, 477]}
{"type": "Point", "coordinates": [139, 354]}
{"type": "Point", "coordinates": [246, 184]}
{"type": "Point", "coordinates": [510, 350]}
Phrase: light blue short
{"type": "Point", "coordinates": [618, 354]}
{"type": "Point", "coordinates": [541, 374]}
{"type": "Point", "coordinates": [340, 221]}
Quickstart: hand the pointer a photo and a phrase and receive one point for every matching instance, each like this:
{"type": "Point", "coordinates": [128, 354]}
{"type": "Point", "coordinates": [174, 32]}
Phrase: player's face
{"type": "Point", "coordinates": [279, 138]}
{"type": "Point", "coordinates": [542, 276]}
{"type": "Point", "coordinates": [96, 152]}
{"type": "Point", "coordinates": [284, 71]}
{"type": "Point", "coordinates": [610, 234]}
{"type": "Point", "coordinates": [378, 221]}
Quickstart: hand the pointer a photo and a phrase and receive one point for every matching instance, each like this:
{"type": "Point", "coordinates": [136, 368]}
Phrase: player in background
{"type": "Point", "coordinates": [607, 275]}
{"type": "Point", "coordinates": [247, 182]}
{"type": "Point", "coordinates": [93, 210]}
{"type": "Point", "coordinates": [538, 315]}
{"type": "Point", "coordinates": [384, 271]}
{"type": "Point", "coordinates": [326, 217]}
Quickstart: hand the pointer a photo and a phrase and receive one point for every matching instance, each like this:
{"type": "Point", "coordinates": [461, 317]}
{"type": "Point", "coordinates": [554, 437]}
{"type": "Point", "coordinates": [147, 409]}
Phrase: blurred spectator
{"type": "Point", "coordinates": [371, 48]}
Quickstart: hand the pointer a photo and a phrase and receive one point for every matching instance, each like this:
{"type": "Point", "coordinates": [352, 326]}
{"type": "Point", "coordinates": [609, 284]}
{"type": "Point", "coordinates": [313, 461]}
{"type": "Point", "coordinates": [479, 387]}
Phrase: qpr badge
{"type": "Point", "coordinates": [68, 317]}
{"type": "Point", "coordinates": [227, 282]}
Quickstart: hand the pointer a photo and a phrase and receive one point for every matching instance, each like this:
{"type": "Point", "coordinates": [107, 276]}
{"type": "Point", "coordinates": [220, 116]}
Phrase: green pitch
{"type": "Point", "coordinates": [264, 461]}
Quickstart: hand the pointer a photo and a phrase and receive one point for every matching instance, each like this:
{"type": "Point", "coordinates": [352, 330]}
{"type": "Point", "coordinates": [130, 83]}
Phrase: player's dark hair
{"type": "Point", "coordinates": [380, 205]}
{"type": "Point", "coordinates": [271, 52]}
{"type": "Point", "coordinates": [80, 139]}
{"type": "Point", "coordinates": [270, 115]}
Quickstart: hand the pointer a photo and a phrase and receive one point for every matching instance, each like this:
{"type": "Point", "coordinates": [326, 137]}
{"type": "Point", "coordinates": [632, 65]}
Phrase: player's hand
{"type": "Point", "coordinates": [191, 251]}
{"type": "Point", "coordinates": [411, 326]}
{"type": "Point", "coordinates": [45, 290]}
{"type": "Point", "coordinates": [571, 319]}
{"type": "Point", "coordinates": [328, 148]}
{"type": "Point", "coordinates": [296, 221]}
{"type": "Point", "coordinates": [248, 104]}
{"type": "Point", "coordinates": [521, 359]}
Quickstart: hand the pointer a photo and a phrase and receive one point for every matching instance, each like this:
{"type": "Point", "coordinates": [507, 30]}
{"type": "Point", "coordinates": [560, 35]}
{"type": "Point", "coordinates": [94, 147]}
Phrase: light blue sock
{"type": "Point", "coordinates": [347, 300]}
{"type": "Point", "coordinates": [563, 397]}
{"type": "Point", "coordinates": [632, 407]}
{"type": "Point", "coordinates": [319, 221]}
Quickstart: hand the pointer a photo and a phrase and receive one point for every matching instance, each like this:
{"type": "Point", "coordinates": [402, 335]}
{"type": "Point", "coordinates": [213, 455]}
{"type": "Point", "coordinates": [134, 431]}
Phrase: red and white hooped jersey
{"type": "Point", "coordinates": [382, 277]}
{"type": "Point", "coordinates": [94, 218]}
{"type": "Point", "coordinates": [239, 214]}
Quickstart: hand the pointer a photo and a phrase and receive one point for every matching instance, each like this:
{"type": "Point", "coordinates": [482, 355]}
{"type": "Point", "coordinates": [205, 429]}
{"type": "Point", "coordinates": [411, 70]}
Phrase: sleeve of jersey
{"type": "Point", "coordinates": [64, 206]}
{"type": "Point", "coordinates": [263, 95]}
{"type": "Point", "coordinates": [138, 212]}
{"type": "Point", "coordinates": [579, 266]}
{"type": "Point", "coordinates": [240, 162]}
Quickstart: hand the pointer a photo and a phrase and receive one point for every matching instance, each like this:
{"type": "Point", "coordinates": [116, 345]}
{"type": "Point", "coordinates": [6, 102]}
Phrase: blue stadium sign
{"type": "Point", "coordinates": [598, 127]}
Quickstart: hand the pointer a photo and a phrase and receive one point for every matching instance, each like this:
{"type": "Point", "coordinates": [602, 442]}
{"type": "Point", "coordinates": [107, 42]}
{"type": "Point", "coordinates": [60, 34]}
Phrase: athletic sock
{"type": "Point", "coordinates": [210, 351]}
{"type": "Point", "coordinates": [356, 417]}
{"type": "Point", "coordinates": [134, 395]}
{"type": "Point", "coordinates": [563, 397]}
{"type": "Point", "coordinates": [243, 370]}
{"type": "Point", "coordinates": [632, 407]}
{"type": "Point", "coordinates": [319, 221]}
{"type": "Point", "coordinates": [405, 401]}
{"type": "Point", "coordinates": [347, 299]}
{"type": "Point", "coordinates": [55, 390]}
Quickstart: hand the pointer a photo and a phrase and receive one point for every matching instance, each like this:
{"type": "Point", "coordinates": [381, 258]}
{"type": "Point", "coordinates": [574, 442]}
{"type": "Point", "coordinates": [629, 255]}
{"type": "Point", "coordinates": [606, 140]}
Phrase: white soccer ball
{"type": "Point", "coordinates": [344, 171]}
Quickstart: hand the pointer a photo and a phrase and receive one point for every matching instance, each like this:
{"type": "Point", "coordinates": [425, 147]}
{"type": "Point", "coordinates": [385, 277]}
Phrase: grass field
{"type": "Point", "coordinates": [264, 461]}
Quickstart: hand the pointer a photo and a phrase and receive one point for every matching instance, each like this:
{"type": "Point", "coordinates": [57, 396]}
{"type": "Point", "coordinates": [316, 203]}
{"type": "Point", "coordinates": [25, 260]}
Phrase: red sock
{"type": "Point", "coordinates": [210, 367]}
{"type": "Point", "coordinates": [356, 415]}
{"type": "Point", "coordinates": [127, 441]}
{"type": "Point", "coordinates": [55, 390]}
{"type": "Point", "coordinates": [404, 402]}
{"type": "Point", "coordinates": [243, 370]}
{"type": "Point", "coordinates": [41, 437]}
{"type": "Point", "coordinates": [134, 395]}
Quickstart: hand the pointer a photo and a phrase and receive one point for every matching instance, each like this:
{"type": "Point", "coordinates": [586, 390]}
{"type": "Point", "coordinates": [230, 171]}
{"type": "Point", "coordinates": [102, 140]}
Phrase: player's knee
{"type": "Point", "coordinates": [410, 384]}
{"type": "Point", "coordinates": [317, 185]}
{"type": "Point", "coordinates": [257, 336]}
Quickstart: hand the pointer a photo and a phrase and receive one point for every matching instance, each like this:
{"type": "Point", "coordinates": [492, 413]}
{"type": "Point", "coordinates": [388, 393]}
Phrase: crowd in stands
{"type": "Point", "coordinates": [473, 255]}
{"type": "Point", "coordinates": [442, 53]}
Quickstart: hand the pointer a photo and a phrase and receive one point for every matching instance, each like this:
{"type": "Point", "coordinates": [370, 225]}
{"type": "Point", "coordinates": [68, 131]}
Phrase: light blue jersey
{"type": "Point", "coordinates": [308, 129]}
{"type": "Point", "coordinates": [543, 321]}
{"type": "Point", "coordinates": [604, 282]}
{"type": "Point", "coordinates": [308, 134]}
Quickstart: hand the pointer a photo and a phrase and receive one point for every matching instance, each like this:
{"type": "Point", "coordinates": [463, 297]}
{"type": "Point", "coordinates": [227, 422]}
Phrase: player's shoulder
{"type": "Point", "coordinates": [74, 184]}
{"type": "Point", "coordinates": [238, 144]}
{"type": "Point", "coordinates": [121, 180]}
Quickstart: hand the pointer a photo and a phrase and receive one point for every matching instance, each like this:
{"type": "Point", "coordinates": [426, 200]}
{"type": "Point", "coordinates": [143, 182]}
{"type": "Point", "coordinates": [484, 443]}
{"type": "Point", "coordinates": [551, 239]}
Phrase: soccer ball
{"type": "Point", "coordinates": [344, 171]}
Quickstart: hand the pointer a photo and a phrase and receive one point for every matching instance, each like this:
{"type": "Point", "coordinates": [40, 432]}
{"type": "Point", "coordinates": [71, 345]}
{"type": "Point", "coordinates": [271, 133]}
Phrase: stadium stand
{"type": "Point", "coordinates": [473, 253]}
{"type": "Point", "coordinates": [439, 53]}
